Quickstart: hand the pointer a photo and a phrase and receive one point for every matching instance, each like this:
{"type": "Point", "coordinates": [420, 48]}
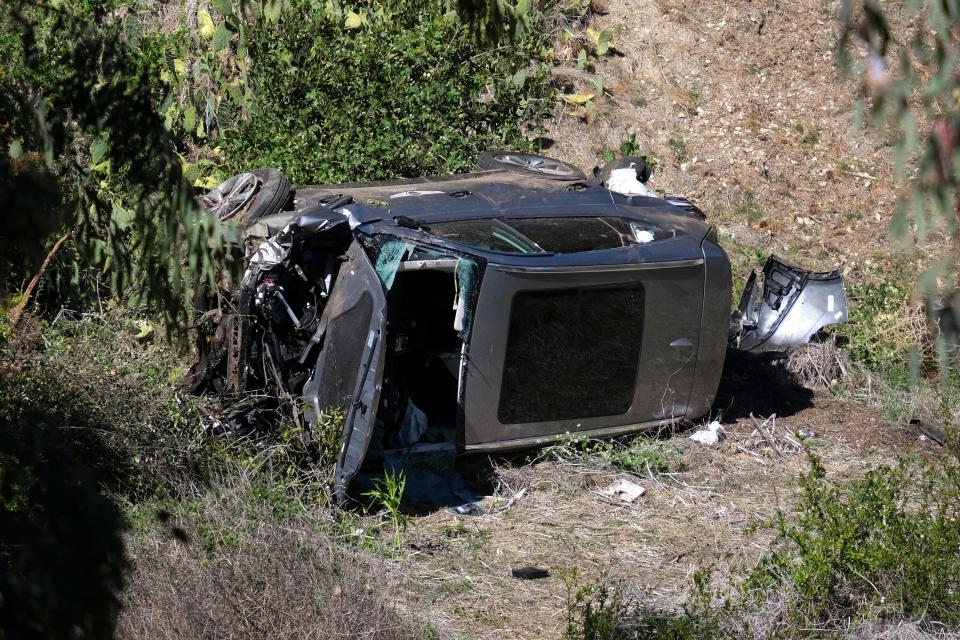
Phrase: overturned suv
{"type": "Point", "coordinates": [488, 311]}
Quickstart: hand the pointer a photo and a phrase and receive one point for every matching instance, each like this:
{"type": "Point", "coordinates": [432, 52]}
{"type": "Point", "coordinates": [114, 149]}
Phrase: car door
{"type": "Point", "coordinates": [589, 348]}
{"type": "Point", "coordinates": [349, 368]}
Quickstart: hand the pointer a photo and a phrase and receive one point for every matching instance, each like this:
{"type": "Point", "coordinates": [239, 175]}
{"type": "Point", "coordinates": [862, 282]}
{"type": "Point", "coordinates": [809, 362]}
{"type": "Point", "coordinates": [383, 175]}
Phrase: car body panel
{"type": "Point", "coordinates": [350, 365]}
{"type": "Point", "coordinates": [664, 371]}
{"type": "Point", "coordinates": [792, 305]}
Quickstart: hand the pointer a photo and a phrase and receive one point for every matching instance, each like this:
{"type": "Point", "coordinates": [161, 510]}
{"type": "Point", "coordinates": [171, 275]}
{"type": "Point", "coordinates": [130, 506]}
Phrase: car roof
{"type": "Point", "coordinates": [488, 193]}
{"type": "Point", "coordinates": [495, 193]}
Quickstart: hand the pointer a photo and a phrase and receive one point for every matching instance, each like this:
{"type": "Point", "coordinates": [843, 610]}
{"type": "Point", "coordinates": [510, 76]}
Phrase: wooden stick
{"type": "Point", "coordinates": [16, 313]}
{"type": "Point", "coordinates": [766, 435]}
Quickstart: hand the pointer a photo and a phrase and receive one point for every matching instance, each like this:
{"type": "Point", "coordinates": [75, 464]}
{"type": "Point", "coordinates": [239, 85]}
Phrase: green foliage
{"type": "Point", "coordinates": [327, 436]}
{"type": "Point", "coordinates": [81, 105]}
{"type": "Point", "coordinates": [388, 491]}
{"type": "Point", "coordinates": [495, 21]}
{"type": "Point", "coordinates": [597, 612]}
{"type": "Point", "coordinates": [211, 536]}
{"type": "Point", "coordinates": [883, 546]}
{"type": "Point", "coordinates": [678, 145]}
{"type": "Point", "coordinates": [111, 122]}
{"type": "Point", "coordinates": [111, 396]}
{"type": "Point", "coordinates": [593, 613]}
{"type": "Point", "coordinates": [628, 147]}
{"type": "Point", "coordinates": [906, 81]}
{"type": "Point", "coordinates": [640, 456]}
{"type": "Point", "coordinates": [405, 95]}
{"type": "Point", "coordinates": [876, 331]}
{"type": "Point", "coordinates": [602, 41]}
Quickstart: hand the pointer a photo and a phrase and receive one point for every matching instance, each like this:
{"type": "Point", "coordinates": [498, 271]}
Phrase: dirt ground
{"type": "Point", "coordinates": [742, 104]}
{"type": "Point", "coordinates": [744, 107]}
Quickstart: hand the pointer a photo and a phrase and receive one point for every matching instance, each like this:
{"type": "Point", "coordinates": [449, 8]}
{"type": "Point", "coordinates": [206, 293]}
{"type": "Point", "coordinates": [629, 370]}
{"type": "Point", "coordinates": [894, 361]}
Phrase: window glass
{"type": "Point", "coordinates": [548, 235]}
{"type": "Point", "coordinates": [572, 235]}
{"type": "Point", "coordinates": [488, 233]}
{"type": "Point", "coordinates": [571, 353]}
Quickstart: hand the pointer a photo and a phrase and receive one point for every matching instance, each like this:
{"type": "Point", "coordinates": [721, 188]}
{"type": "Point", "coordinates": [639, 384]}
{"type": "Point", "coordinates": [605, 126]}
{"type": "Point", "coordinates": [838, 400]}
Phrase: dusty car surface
{"type": "Point", "coordinates": [493, 310]}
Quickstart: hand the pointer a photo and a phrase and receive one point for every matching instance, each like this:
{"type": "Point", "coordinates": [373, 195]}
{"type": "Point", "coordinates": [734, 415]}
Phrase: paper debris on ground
{"type": "Point", "coordinates": [625, 490]}
{"type": "Point", "coordinates": [709, 435]}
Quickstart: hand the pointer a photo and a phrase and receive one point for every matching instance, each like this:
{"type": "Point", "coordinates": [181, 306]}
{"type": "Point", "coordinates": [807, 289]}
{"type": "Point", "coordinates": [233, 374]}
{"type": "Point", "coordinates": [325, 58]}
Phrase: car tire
{"type": "Point", "coordinates": [244, 198]}
{"type": "Point", "coordinates": [529, 164]}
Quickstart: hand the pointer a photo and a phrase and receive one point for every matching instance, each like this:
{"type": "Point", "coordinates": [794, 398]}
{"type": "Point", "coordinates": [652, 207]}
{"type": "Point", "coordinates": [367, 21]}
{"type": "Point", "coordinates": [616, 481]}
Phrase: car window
{"type": "Point", "coordinates": [548, 235]}
{"type": "Point", "coordinates": [489, 233]}
{"type": "Point", "coordinates": [571, 353]}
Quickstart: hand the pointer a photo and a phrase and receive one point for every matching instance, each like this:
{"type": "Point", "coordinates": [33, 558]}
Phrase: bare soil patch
{"type": "Point", "coordinates": [745, 109]}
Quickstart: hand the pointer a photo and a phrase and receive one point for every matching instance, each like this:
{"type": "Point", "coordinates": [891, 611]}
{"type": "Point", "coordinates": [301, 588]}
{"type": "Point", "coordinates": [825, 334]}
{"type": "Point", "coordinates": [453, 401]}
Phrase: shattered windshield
{"type": "Point", "coordinates": [548, 235]}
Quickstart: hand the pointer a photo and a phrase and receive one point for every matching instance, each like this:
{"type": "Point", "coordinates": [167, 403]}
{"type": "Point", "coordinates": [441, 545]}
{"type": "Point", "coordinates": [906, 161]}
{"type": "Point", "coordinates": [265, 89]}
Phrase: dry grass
{"type": "Point", "coordinates": [236, 564]}
{"type": "Point", "coordinates": [766, 621]}
{"type": "Point", "coordinates": [458, 569]}
{"type": "Point", "coordinates": [754, 95]}
{"type": "Point", "coordinates": [819, 365]}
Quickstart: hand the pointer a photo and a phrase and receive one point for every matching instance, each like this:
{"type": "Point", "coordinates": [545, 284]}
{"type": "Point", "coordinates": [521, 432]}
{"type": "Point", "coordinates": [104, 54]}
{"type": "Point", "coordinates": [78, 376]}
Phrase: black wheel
{"type": "Point", "coordinates": [530, 164]}
{"type": "Point", "coordinates": [244, 198]}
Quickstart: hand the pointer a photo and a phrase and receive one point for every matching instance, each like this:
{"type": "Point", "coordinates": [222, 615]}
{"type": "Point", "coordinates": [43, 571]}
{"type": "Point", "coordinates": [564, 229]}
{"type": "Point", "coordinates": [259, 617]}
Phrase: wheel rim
{"type": "Point", "coordinates": [231, 196]}
{"type": "Point", "coordinates": [546, 166]}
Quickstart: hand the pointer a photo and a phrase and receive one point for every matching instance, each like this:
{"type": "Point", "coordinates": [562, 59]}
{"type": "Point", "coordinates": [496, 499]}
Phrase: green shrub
{"type": "Point", "coordinates": [387, 492]}
{"type": "Point", "coordinates": [406, 93]}
{"type": "Point", "coordinates": [597, 612]}
{"type": "Point", "coordinates": [881, 330]}
{"type": "Point", "coordinates": [883, 546]}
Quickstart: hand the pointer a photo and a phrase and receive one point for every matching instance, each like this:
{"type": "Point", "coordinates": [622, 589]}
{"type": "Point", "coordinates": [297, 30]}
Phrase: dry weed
{"type": "Point", "coordinates": [818, 365]}
{"type": "Point", "coordinates": [240, 567]}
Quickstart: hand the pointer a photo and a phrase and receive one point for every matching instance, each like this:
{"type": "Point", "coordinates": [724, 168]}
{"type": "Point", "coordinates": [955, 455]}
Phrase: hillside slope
{"type": "Point", "coordinates": [744, 107]}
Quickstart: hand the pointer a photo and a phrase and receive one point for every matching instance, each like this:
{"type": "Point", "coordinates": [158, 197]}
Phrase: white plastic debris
{"type": "Point", "coordinates": [625, 490]}
{"type": "Point", "coordinates": [625, 181]}
{"type": "Point", "coordinates": [709, 435]}
{"type": "Point", "coordinates": [644, 236]}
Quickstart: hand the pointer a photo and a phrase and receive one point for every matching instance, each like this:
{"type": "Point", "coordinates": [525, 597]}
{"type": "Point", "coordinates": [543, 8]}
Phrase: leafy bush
{"type": "Point", "coordinates": [82, 131]}
{"type": "Point", "coordinates": [903, 80]}
{"type": "Point", "coordinates": [882, 332]}
{"type": "Point", "coordinates": [883, 546]}
{"type": "Point", "coordinates": [403, 93]}
{"type": "Point", "coordinates": [110, 397]}
{"type": "Point", "coordinates": [597, 612]}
